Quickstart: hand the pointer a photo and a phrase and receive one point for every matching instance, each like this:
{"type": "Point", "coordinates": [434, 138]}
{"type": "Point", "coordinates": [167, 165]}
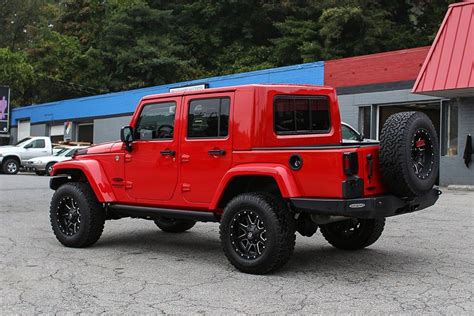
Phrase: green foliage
{"type": "Point", "coordinates": [18, 73]}
{"type": "Point", "coordinates": [57, 49]}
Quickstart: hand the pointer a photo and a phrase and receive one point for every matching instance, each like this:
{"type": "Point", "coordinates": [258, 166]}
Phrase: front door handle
{"type": "Point", "coordinates": [168, 152]}
{"type": "Point", "coordinates": [217, 152]}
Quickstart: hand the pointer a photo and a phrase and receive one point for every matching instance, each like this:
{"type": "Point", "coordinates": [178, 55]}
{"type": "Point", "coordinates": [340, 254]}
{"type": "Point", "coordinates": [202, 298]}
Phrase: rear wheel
{"type": "Point", "coordinates": [10, 166]}
{"type": "Point", "coordinates": [172, 225]}
{"type": "Point", "coordinates": [257, 233]}
{"type": "Point", "coordinates": [49, 168]}
{"type": "Point", "coordinates": [77, 218]}
{"type": "Point", "coordinates": [353, 234]}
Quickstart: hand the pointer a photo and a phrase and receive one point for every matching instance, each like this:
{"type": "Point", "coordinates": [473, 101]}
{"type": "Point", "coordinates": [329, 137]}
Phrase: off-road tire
{"type": "Point", "coordinates": [396, 141]}
{"type": "Point", "coordinates": [368, 233]}
{"type": "Point", "coordinates": [172, 225]}
{"type": "Point", "coordinates": [92, 215]}
{"type": "Point", "coordinates": [279, 228]}
{"type": "Point", "coordinates": [6, 166]}
{"type": "Point", "coordinates": [48, 166]}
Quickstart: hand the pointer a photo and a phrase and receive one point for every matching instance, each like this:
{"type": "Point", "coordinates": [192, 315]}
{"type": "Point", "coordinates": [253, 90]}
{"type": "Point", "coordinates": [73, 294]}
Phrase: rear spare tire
{"type": "Point", "coordinates": [409, 154]}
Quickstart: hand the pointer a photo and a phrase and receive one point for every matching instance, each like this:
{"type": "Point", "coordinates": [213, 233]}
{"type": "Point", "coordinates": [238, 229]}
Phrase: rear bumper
{"type": "Point", "coordinates": [372, 207]}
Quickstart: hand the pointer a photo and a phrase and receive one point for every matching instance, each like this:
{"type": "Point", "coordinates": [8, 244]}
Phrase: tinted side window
{"type": "Point", "coordinates": [156, 121]}
{"type": "Point", "coordinates": [301, 115]}
{"type": "Point", "coordinates": [208, 118]}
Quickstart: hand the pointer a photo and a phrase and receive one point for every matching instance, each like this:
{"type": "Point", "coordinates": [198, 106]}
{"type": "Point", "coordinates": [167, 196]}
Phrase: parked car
{"type": "Point", "coordinates": [351, 135]}
{"type": "Point", "coordinates": [58, 147]}
{"type": "Point", "coordinates": [266, 161]}
{"type": "Point", "coordinates": [44, 165]}
{"type": "Point", "coordinates": [14, 157]}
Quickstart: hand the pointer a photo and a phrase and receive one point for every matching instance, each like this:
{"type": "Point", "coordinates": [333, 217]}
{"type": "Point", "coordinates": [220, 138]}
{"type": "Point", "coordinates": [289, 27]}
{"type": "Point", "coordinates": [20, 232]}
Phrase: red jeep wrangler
{"type": "Point", "coordinates": [263, 160]}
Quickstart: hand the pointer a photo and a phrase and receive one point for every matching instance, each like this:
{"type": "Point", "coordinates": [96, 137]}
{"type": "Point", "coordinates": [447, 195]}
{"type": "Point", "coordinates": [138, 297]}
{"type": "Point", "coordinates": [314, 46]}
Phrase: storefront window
{"type": "Point", "coordinates": [364, 120]}
{"type": "Point", "coordinates": [449, 142]}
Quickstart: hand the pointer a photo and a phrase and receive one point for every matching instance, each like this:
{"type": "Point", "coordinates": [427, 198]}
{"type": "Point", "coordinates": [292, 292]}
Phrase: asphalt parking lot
{"type": "Point", "coordinates": [424, 263]}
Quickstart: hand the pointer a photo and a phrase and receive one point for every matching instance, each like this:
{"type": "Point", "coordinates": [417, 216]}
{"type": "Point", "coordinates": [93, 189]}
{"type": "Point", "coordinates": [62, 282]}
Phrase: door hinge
{"type": "Point", "coordinates": [127, 158]}
{"type": "Point", "coordinates": [185, 187]}
{"type": "Point", "coordinates": [128, 184]}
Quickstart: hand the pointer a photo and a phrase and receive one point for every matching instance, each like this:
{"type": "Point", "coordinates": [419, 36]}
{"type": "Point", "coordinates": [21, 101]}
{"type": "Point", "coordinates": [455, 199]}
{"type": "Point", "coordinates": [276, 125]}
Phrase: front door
{"type": "Point", "coordinates": [206, 145]}
{"type": "Point", "coordinates": [36, 148]}
{"type": "Point", "coordinates": [151, 169]}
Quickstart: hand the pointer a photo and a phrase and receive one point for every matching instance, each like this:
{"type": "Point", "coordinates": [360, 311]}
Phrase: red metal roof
{"type": "Point", "coordinates": [449, 67]}
{"type": "Point", "coordinates": [394, 66]}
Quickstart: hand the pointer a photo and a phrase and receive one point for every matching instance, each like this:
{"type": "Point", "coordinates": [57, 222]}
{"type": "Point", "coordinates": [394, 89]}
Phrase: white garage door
{"type": "Point", "coordinates": [56, 130]}
{"type": "Point", "coordinates": [23, 129]}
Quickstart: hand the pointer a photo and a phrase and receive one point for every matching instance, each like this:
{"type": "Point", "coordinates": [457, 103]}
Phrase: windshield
{"type": "Point", "coordinates": [61, 152]}
{"type": "Point", "coordinates": [22, 142]}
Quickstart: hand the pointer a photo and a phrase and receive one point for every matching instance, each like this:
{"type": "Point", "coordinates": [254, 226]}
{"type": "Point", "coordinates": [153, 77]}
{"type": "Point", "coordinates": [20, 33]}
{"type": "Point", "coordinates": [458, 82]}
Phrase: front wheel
{"type": "Point", "coordinates": [11, 166]}
{"type": "Point", "coordinates": [353, 234]}
{"type": "Point", "coordinates": [172, 225]}
{"type": "Point", "coordinates": [257, 233]}
{"type": "Point", "coordinates": [77, 218]}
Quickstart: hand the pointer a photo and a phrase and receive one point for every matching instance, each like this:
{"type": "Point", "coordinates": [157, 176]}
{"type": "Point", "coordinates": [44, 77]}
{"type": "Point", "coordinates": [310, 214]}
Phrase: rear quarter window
{"type": "Point", "coordinates": [301, 115]}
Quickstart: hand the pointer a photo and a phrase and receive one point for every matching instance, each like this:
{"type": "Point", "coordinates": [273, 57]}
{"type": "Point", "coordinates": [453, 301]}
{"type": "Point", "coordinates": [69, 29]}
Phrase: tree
{"type": "Point", "coordinates": [17, 73]}
{"type": "Point", "coordinates": [139, 48]}
{"type": "Point", "coordinates": [83, 47]}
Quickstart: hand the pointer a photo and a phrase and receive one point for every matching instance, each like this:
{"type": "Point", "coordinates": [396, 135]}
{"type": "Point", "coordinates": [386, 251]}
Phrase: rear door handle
{"type": "Point", "coordinates": [217, 152]}
{"type": "Point", "coordinates": [370, 165]}
{"type": "Point", "coordinates": [168, 153]}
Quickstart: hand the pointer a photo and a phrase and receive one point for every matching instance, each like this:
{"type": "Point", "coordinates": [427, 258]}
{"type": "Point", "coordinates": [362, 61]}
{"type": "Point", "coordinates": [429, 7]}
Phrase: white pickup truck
{"type": "Point", "coordinates": [13, 157]}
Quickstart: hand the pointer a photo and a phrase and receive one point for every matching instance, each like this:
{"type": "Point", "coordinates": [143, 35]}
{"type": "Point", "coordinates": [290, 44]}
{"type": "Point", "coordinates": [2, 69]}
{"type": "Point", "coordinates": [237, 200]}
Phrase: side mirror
{"type": "Point", "coordinates": [361, 137]}
{"type": "Point", "coordinates": [126, 136]}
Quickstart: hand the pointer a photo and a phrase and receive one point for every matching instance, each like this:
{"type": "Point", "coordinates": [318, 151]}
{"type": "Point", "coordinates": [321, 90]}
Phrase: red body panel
{"type": "Point", "coordinates": [95, 174]}
{"type": "Point", "coordinates": [195, 179]}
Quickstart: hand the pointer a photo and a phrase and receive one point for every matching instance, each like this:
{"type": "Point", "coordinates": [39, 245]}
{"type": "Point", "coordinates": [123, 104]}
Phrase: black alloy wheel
{"type": "Point", "coordinates": [422, 153]}
{"type": "Point", "coordinates": [77, 218]}
{"type": "Point", "coordinates": [257, 232]}
{"type": "Point", "coordinates": [409, 154]}
{"type": "Point", "coordinates": [68, 216]}
{"type": "Point", "coordinates": [248, 234]}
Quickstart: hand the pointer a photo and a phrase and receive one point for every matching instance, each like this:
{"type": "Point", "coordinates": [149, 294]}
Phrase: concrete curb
{"type": "Point", "coordinates": [458, 187]}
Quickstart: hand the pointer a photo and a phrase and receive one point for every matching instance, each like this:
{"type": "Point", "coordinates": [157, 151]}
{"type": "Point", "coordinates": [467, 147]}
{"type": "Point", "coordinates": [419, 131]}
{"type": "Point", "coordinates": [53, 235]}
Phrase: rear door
{"type": "Point", "coordinates": [151, 169]}
{"type": "Point", "coordinates": [206, 146]}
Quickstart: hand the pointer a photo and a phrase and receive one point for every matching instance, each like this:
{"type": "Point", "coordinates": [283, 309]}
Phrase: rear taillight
{"type": "Point", "coordinates": [350, 163]}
